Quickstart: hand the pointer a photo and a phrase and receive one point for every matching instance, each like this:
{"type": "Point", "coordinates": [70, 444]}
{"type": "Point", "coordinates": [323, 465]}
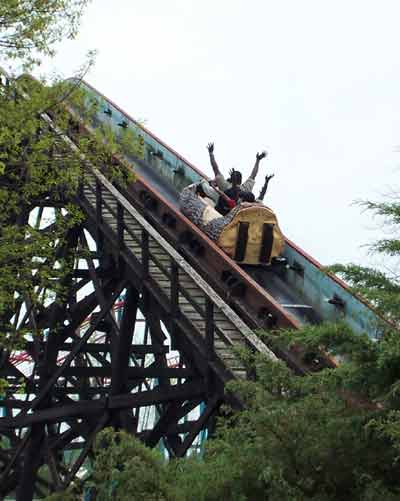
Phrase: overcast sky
{"type": "Point", "coordinates": [314, 82]}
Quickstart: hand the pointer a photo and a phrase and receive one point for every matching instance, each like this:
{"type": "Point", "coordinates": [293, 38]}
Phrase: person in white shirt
{"type": "Point", "coordinates": [193, 204]}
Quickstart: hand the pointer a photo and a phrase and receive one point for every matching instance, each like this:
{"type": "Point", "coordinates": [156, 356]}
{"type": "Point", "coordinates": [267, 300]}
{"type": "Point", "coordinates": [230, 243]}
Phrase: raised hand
{"type": "Point", "coordinates": [260, 156]}
{"type": "Point", "coordinates": [214, 165]}
{"type": "Point", "coordinates": [265, 187]}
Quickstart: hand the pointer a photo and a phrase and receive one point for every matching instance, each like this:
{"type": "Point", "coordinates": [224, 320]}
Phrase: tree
{"type": "Point", "coordinates": [30, 29]}
{"type": "Point", "coordinates": [298, 438]}
{"type": "Point", "coordinates": [39, 172]}
{"type": "Point", "coordinates": [125, 470]}
{"type": "Point", "coordinates": [331, 435]}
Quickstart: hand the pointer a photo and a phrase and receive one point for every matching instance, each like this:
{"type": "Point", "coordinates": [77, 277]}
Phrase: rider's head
{"type": "Point", "coordinates": [247, 196]}
{"type": "Point", "coordinates": [200, 191]}
{"type": "Point", "coordinates": [236, 176]}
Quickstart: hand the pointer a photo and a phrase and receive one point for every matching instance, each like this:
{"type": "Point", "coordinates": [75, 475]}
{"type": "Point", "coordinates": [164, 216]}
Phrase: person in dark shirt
{"type": "Point", "coordinates": [235, 176]}
{"type": "Point", "coordinates": [233, 185]}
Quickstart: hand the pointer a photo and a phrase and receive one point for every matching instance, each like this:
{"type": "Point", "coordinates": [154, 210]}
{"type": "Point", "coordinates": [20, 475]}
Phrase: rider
{"type": "Point", "coordinates": [194, 205]}
{"type": "Point", "coordinates": [233, 185]}
{"type": "Point", "coordinates": [224, 184]}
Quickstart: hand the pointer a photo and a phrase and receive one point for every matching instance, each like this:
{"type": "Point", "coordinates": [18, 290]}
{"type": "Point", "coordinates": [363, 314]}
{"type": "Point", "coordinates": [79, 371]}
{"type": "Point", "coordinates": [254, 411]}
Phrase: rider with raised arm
{"type": "Point", "coordinates": [233, 185]}
{"type": "Point", "coordinates": [194, 206]}
{"type": "Point", "coordinates": [264, 188]}
{"type": "Point", "coordinates": [234, 175]}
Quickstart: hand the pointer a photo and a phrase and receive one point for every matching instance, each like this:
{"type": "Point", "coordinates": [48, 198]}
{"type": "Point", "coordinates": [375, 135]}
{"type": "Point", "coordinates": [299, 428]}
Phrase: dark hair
{"type": "Point", "coordinates": [200, 190]}
{"type": "Point", "coordinates": [236, 175]}
{"type": "Point", "coordinates": [247, 196]}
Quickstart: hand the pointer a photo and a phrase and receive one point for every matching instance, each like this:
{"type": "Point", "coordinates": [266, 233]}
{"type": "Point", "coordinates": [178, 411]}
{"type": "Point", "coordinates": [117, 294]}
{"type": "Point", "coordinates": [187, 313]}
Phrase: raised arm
{"type": "Point", "coordinates": [264, 188]}
{"type": "Point", "coordinates": [259, 157]}
{"type": "Point", "coordinates": [214, 165]}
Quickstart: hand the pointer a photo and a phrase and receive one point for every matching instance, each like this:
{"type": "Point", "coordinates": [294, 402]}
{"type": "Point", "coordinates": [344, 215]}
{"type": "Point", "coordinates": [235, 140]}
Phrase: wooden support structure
{"type": "Point", "coordinates": [104, 355]}
{"type": "Point", "coordinates": [137, 328]}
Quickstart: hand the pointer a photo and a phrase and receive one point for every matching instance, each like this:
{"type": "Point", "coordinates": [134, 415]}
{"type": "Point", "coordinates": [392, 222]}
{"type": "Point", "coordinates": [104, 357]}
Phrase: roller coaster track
{"type": "Point", "coordinates": [90, 368]}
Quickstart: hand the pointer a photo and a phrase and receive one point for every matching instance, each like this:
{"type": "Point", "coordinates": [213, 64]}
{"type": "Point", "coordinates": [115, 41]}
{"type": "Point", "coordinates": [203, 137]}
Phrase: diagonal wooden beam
{"type": "Point", "coordinates": [85, 451]}
{"type": "Point", "coordinates": [57, 373]}
{"type": "Point", "coordinates": [198, 426]}
{"type": "Point", "coordinates": [172, 414]}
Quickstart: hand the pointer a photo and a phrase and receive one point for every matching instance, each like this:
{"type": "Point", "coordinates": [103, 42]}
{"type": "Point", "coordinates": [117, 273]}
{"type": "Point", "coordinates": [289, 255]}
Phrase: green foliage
{"type": "Point", "coordinates": [330, 435]}
{"type": "Point", "coordinates": [30, 28]}
{"type": "Point", "coordinates": [124, 469]}
{"type": "Point", "coordinates": [141, 475]}
{"type": "Point", "coordinates": [38, 166]}
{"type": "Point", "coordinates": [39, 172]}
{"type": "Point", "coordinates": [300, 438]}
{"type": "Point", "coordinates": [380, 289]}
{"type": "Point", "coordinates": [333, 435]}
{"type": "Point", "coordinates": [297, 439]}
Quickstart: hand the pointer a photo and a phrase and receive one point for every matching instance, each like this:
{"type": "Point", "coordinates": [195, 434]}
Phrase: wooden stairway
{"type": "Point", "coordinates": [203, 309]}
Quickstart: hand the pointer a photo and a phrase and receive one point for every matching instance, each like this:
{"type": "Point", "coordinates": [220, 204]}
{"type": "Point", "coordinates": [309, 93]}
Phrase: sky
{"type": "Point", "coordinates": [316, 83]}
